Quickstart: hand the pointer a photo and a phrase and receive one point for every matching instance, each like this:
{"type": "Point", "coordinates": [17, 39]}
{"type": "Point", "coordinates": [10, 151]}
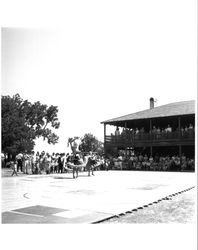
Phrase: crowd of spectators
{"type": "Point", "coordinates": [157, 163]}
{"type": "Point", "coordinates": [156, 132]}
{"type": "Point", "coordinates": [44, 163]}
{"type": "Point", "coordinates": [41, 163]}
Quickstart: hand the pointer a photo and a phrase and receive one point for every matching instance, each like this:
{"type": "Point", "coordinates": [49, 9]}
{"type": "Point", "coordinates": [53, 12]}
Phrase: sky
{"type": "Point", "coordinates": [103, 62]}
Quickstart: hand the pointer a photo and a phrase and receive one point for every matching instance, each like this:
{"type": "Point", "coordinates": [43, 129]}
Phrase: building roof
{"type": "Point", "coordinates": [171, 109]}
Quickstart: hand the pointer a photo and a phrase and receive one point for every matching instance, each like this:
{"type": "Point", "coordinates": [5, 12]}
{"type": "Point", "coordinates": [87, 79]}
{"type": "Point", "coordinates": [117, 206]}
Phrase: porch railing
{"type": "Point", "coordinates": [148, 137]}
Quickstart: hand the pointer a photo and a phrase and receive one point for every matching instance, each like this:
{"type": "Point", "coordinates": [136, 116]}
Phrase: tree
{"type": "Point", "coordinates": [90, 143]}
{"type": "Point", "coordinates": [23, 122]}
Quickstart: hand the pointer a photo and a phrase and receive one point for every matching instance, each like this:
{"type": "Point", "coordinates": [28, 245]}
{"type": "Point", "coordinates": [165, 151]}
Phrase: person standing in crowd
{"type": "Point", "coordinates": [19, 158]}
{"type": "Point", "coordinates": [63, 159]}
{"type": "Point", "coordinates": [33, 159]}
{"type": "Point", "coordinates": [37, 163]}
{"type": "Point", "coordinates": [47, 163]}
{"type": "Point", "coordinates": [42, 162]}
{"type": "Point", "coordinates": [14, 167]}
{"type": "Point", "coordinates": [52, 163]}
{"type": "Point", "coordinates": [26, 163]}
{"type": "Point", "coordinates": [56, 163]}
{"type": "Point", "coordinates": [32, 163]}
{"type": "Point", "coordinates": [60, 164]}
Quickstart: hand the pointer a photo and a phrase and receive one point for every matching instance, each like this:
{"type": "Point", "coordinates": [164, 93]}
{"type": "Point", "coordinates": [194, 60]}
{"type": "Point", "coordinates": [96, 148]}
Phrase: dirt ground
{"type": "Point", "coordinates": [176, 209]}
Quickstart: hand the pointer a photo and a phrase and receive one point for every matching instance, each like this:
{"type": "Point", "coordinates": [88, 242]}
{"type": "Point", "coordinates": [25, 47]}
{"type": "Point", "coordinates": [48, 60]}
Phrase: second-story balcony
{"type": "Point", "coordinates": [145, 139]}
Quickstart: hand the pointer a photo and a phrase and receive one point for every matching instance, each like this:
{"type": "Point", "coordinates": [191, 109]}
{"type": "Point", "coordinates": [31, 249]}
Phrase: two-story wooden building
{"type": "Point", "coordinates": [167, 129]}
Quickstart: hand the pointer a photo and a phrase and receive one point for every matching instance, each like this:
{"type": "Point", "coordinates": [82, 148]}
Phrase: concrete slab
{"type": "Point", "coordinates": [39, 210]}
{"type": "Point", "coordinates": [59, 198]}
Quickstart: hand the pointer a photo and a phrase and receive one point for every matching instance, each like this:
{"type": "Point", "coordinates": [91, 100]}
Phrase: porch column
{"type": "Point", "coordinates": [179, 126]}
{"type": "Point", "coordinates": [104, 138]}
{"type": "Point", "coordinates": [151, 150]}
{"type": "Point", "coordinates": [180, 151]}
{"type": "Point", "coordinates": [125, 126]}
{"type": "Point", "coordinates": [150, 125]}
{"type": "Point", "coordinates": [180, 147]}
{"type": "Point", "coordinates": [150, 132]}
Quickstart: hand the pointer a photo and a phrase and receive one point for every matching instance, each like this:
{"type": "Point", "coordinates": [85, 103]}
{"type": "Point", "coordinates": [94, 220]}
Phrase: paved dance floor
{"type": "Point", "coordinates": [58, 198]}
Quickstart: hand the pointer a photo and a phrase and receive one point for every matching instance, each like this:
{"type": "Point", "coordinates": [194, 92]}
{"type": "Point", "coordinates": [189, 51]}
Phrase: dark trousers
{"type": "Point", "coordinates": [19, 165]}
{"type": "Point", "coordinates": [60, 167]}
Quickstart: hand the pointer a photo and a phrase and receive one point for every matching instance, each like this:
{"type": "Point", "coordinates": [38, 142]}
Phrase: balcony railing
{"type": "Point", "coordinates": [131, 138]}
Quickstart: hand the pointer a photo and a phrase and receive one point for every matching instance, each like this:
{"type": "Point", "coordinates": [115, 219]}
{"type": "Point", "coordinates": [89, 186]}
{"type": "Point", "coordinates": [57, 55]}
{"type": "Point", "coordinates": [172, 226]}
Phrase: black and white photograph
{"type": "Point", "coordinates": [98, 124]}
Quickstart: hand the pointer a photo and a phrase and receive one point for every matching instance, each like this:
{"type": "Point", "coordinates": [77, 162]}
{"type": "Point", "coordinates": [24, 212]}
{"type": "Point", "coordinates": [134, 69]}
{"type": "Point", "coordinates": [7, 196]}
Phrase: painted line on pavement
{"type": "Point", "coordinates": [26, 196]}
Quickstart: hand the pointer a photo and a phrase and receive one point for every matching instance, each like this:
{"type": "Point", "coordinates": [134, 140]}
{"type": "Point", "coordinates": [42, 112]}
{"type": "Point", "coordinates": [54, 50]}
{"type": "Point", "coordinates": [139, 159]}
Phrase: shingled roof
{"type": "Point", "coordinates": [171, 109]}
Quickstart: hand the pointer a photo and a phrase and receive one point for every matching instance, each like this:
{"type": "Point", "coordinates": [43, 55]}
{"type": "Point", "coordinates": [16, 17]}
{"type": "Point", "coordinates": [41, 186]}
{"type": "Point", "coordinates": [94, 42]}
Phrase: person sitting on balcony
{"type": "Point", "coordinates": [169, 129]}
{"type": "Point", "coordinates": [163, 133]}
{"type": "Point", "coordinates": [190, 130]}
{"type": "Point", "coordinates": [158, 133]}
{"type": "Point", "coordinates": [137, 133]}
{"type": "Point", "coordinates": [123, 132]}
{"type": "Point", "coordinates": [182, 131]}
{"type": "Point", "coordinates": [117, 132]}
{"type": "Point", "coordinates": [190, 126]}
{"type": "Point", "coordinates": [142, 133]}
{"type": "Point", "coordinates": [154, 132]}
{"type": "Point", "coordinates": [186, 131]}
{"type": "Point", "coordinates": [112, 137]}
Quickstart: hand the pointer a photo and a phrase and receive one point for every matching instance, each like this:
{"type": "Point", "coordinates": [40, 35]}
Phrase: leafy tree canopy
{"type": "Point", "coordinates": [90, 143]}
{"type": "Point", "coordinates": [23, 122]}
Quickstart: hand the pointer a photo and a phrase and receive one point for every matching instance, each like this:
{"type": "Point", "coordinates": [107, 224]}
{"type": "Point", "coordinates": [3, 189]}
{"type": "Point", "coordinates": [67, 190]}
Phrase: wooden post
{"type": "Point", "coordinates": [180, 147]}
{"type": "Point", "coordinates": [150, 132]}
{"type": "Point", "coordinates": [150, 125]}
{"type": "Point", "coordinates": [179, 126]}
{"type": "Point", "coordinates": [104, 138]}
{"type": "Point", "coordinates": [151, 150]}
{"type": "Point", "coordinates": [180, 151]}
{"type": "Point", "coordinates": [125, 125]}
